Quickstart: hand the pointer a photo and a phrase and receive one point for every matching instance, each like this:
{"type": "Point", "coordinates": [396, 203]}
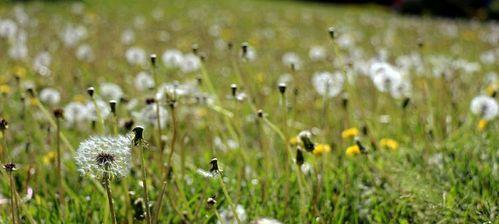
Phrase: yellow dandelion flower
{"type": "Point", "coordinates": [49, 157]}
{"type": "Point", "coordinates": [19, 72]}
{"type": "Point", "coordinates": [350, 133]}
{"type": "Point", "coordinates": [201, 112]}
{"type": "Point", "coordinates": [352, 150]}
{"type": "Point", "coordinates": [294, 140]}
{"type": "Point", "coordinates": [482, 124]}
{"type": "Point", "coordinates": [321, 149]}
{"type": "Point", "coordinates": [79, 98]}
{"type": "Point", "coordinates": [260, 77]}
{"type": "Point", "coordinates": [389, 143]}
{"type": "Point", "coordinates": [4, 89]}
{"type": "Point", "coordinates": [34, 101]}
{"type": "Point", "coordinates": [492, 88]}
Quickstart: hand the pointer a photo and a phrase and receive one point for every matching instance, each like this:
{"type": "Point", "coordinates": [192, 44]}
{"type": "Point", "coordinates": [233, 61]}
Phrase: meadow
{"type": "Point", "coordinates": [260, 112]}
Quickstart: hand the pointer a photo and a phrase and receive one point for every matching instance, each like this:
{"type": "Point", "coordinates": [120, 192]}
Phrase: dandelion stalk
{"type": "Point", "coordinates": [227, 196]}
{"type": "Point", "coordinates": [13, 202]}
{"type": "Point", "coordinates": [144, 183]}
{"type": "Point", "coordinates": [105, 182]}
{"type": "Point", "coordinates": [58, 115]}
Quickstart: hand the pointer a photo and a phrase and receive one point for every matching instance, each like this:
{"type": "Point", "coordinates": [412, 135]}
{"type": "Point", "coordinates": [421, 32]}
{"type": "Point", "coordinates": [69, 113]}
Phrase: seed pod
{"type": "Point", "coordinates": [153, 60]}
{"type": "Point", "coordinates": [58, 113]}
{"type": "Point", "coordinates": [244, 47]}
{"type": "Point", "coordinates": [332, 32]}
{"type": "Point", "coordinates": [406, 102]}
{"type": "Point", "coordinates": [214, 165]}
{"type": "Point", "coordinates": [300, 159]}
{"type": "Point", "coordinates": [139, 212]}
{"type": "Point", "coordinates": [282, 87]}
{"type": "Point", "coordinates": [3, 124]}
{"type": "Point", "coordinates": [138, 134]}
{"type": "Point", "coordinates": [112, 105]}
{"type": "Point", "coordinates": [9, 167]}
{"type": "Point", "coordinates": [259, 113]}
{"type": "Point", "coordinates": [91, 91]}
{"type": "Point", "coordinates": [233, 88]}
{"type": "Point", "coordinates": [305, 137]}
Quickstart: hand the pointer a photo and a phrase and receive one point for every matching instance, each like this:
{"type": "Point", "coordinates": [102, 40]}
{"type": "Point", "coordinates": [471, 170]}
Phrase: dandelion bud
{"type": "Point", "coordinates": [406, 102]}
{"type": "Point", "coordinates": [332, 32]}
{"type": "Point", "coordinates": [293, 67]}
{"type": "Point", "coordinates": [31, 92]}
{"type": "Point", "coordinates": [128, 124]}
{"type": "Point", "coordinates": [58, 113]}
{"type": "Point", "coordinates": [9, 167]}
{"type": "Point", "coordinates": [153, 59]}
{"type": "Point", "coordinates": [230, 45]}
{"type": "Point", "coordinates": [211, 202]}
{"type": "Point", "coordinates": [233, 88]}
{"type": "Point", "coordinates": [195, 49]}
{"type": "Point", "coordinates": [91, 91]}
{"type": "Point", "coordinates": [202, 57]}
{"type": "Point", "coordinates": [305, 137]}
{"type": "Point", "coordinates": [112, 105]}
{"type": "Point", "coordinates": [282, 87]}
{"type": "Point", "coordinates": [244, 47]}
{"type": "Point", "coordinates": [493, 94]}
{"type": "Point", "coordinates": [3, 124]}
{"type": "Point", "coordinates": [361, 147]}
{"type": "Point", "coordinates": [365, 131]}
{"type": "Point", "coordinates": [299, 157]}
{"type": "Point", "coordinates": [150, 101]}
{"type": "Point", "coordinates": [344, 101]}
{"type": "Point", "coordinates": [259, 113]}
{"type": "Point", "coordinates": [137, 134]}
{"type": "Point", "coordinates": [214, 165]}
{"type": "Point", "coordinates": [139, 209]}
{"type": "Point", "coordinates": [420, 43]}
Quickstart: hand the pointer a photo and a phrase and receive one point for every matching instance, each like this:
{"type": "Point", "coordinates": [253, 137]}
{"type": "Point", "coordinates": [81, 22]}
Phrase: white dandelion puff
{"type": "Point", "coordinates": [136, 56]}
{"type": "Point", "coordinates": [75, 112]}
{"type": "Point", "coordinates": [101, 156]}
{"type": "Point", "coordinates": [127, 37]}
{"type": "Point", "coordinates": [84, 53]}
{"type": "Point", "coordinates": [148, 115]}
{"type": "Point", "coordinates": [228, 216]}
{"type": "Point", "coordinates": [317, 53]}
{"type": "Point", "coordinates": [328, 84]}
{"type": "Point", "coordinates": [190, 63]}
{"type": "Point", "coordinates": [50, 96]}
{"type": "Point", "coordinates": [143, 81]}
{"type": "Point", "coordinates": [172, 58]}
{"type": "Point", "coordinates": [484, 106]}
{"type": "Point", "coordinates": [291, 59]}
{"type": "Point", "coordinates": [266, 221]}
{"type": "Point", "coordinates": [103, 108]}
{"type": "Point", "coordinates": [111, 91]}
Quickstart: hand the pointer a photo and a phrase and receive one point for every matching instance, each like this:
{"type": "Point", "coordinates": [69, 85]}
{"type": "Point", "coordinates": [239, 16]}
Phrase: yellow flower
{"type": "Point", "coordinates": [79, 98]}
{"type": "Point", "coordinates": [353, 150]}
{"type": "Point", "coordinates": [321, 149]}
{"type": "Point", "coordinates": [49, 157]}
{"type": "Point", "coordinates": [4, 89]}
{"type": "Point", "coordinates": [482, 124]}
{"type": "Point", "coordinates": [350, 133]}
{"type": "Point", "coordinates": [389, 143]}
{"type": "Point", "coordinates": [492, 88]}
{"type": "Point", "coordinates": [201, 112]}
{"type": "Point", "coordinates": [34, 101]}
{"type": "Point", "coordinates": [294, 140]}
{"type": "Point", "coordinates": [19, 71]}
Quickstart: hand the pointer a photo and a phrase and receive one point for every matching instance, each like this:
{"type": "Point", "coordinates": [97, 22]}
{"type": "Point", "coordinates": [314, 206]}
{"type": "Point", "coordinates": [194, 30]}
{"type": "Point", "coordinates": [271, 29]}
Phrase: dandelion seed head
{"type": "Point", "coordinates": [484, 106]}
{"type": "Point", "coordinates": [50, 96]}
{"type": "Point", "coordinates": [328, 84]}
{"type": "Point", "coordinates": [111, 91]}
{"type": "Point", "coordinates": [101, 155]}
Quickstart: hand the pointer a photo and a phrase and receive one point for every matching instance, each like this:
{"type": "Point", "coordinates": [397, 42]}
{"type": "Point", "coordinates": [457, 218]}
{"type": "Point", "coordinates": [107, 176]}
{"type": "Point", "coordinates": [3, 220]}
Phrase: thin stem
{"type": "Point", "coordinates": [229, 200]}
{"type": "Point", "coordinates": [109, 198]}
{"type": "Point", "coordinates": [59, 167]}
{"type": "Point", "coordinates": [218, 216]}
{"type": "Point", "coordinates": [144, 182]}
{"type": "Point", "coordinates": [12, 198]}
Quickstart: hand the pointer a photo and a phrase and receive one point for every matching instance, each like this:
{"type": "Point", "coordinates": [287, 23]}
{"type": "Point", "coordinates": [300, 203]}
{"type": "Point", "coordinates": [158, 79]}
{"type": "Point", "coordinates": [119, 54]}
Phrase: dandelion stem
{"type": "Point", "coordinates": [229, 200]}
{"type": "Point", "coordinates": [144, 183]}
{"type": "Point", "coordinates": [59, 167]}
{"type": "Point", "coordinates": [12, 198]}
{"type": "Point", "coordinates": [109, 197]}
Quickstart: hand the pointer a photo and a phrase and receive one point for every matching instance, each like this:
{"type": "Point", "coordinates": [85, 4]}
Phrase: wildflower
{"type": "Point", "coordinates": [291, 59]}
{"type": "Point", "coordinates": [492, 89]}
{"type": "Point", "coordinates": [143, 81]}
{"type": "Point", "coordinates": [75, 112]}
{"type": "Point", "coordinates": [136, 56]}
{"type": "Point", "coordinates": [10, 167]}
{"type": "Point", "coordinates": [305, 138]}
{"type": "Point", "coordinates": [49, 157]}
{"type": "Point", "coordinates": [482, 124]}
{"type": "Point", "coordinates": [190, 63]}
{"type": "Point", "coordinates": [99, 156]}
{"type": "Point", "coordinates": [266, 221]}
{"type": "Point", "coordinates": [110, 91]}
{"type": "Point", "coordinates": [484, 106]}
{"type": "Point", "coordinates": [389, 143]}
{"type": "Point", "coordinates": [19, 72]}
{"type": "Point", "coordinates": [5, 89]}
{"type": "Point", "coordinates": [84, 53]}
{"type": "Point", "coordinates": [211, 202]}
{"type": "Point", "coordinates": [172, 58]}
{"type": "Point", "coordinates": [352, 150]}
{"type": "Point", "coordinates": [148, 115]}
{"type": "Point", "coordinates": [41, 63]}
{"type": "Point", "coordinates": [328, 84]}
{"type": "Point", "coordinates": [350, 133]}
{"type": "Point", "coordinates": [127, 37]}
{"type": "Point", "coordinates": [228, 216]}
{"type": "Point", "coordinates": [294, 140]}
{"type": "Point", "coordinates": [317, 53]}
{"type": "Point", "coordinates": [50, 96]}
{"type": "Point", "coordinates": [321, 149]}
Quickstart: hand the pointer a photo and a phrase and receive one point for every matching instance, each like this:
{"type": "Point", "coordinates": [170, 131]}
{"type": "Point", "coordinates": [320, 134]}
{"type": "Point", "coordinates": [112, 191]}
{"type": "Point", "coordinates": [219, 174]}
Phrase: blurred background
{"type": "Point", "coordinates": [476, 9]}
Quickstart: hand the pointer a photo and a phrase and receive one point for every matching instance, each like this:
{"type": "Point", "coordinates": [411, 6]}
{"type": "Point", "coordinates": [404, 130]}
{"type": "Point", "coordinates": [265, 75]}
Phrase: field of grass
{"type": "Point", "coordinates": [251, 112]}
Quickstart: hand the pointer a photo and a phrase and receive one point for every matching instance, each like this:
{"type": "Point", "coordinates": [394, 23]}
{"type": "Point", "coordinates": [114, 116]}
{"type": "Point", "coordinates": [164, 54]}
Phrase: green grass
{"type": "Point", "coordinates": [449, 176]}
